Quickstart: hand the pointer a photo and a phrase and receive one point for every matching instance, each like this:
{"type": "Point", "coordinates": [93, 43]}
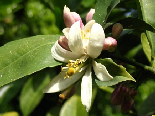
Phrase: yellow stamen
{"type": "Point", "coordinates": [70, 71]}
{"type": "Point", "coordinates": [61, 70]}
{"type": "Point", "coordinates": [88, 30]}
{"type": "Point", "coordinates": [62, 96]}
{"type": "Point", "coordinates": [74, 66]}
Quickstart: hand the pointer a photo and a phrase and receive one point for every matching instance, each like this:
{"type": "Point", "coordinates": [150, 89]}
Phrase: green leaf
{"type": "Point", "coordinates": [117, 71]}
{"type": "Point", "coordinates": [132, 23]}
{"type": "Point", "coordinates": [146, 46]}
{"type": "Point", "coordinates": [147, 8]}
{"type": "Point", "coordinates": [103, 9]}
{"type": "Point", "coordinates": [74, 107]}
{"type": "Point", "coordinates": [148, 106]}
{"type": "Point", "coordinates": [114, 81]}
{"type": "Point", "coordinates": [54, 111]}
{"type": "Point", "coordinates": [32, 93]}
{"type": "Point", "coordinates": [9, 91]}
{"type": "Point", "coordinates": [26, 56]}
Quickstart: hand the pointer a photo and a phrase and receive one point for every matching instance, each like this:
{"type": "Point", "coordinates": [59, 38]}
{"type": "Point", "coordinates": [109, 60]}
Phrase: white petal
{"type": "Point", "coordinates": [58, 83]}
{"type": "Point", "coordinates": [86, 89]}
{"type": "Point", "coordinates": [61, 54]}
{"type": "Point", "coordinates": [89, 25]}
{"type": "Point", "coordinates": [96, 41]}
{"type": "Point", "coordinates": [74, 39]}
{"type": "Point", "coordinates": [101, 72]}
{"type": "Point", "coordinates": [66, 32]}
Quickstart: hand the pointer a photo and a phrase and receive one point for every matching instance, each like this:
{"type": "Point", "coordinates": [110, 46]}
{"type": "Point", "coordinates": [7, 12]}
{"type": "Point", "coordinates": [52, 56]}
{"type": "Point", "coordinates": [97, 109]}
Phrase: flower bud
{"type": "Point", "coordinates": [71, 17]}
{"type": "Point", "coordinates": [127, 105]}
{"type": "Point", "coordinates": [125, 90]}
{"type": "Point", "coordinates": [132, 93]}
{"type": "Point", "coordinates": [110, 44]}
{"type": "Point", "coordinates": [117, 30]}
{"type": "Point", "coordinates": [90, 15]}
{"type": "Point", "coordinates": [117, 96]}
{"type": "Point", "coordinates": [63, 42]}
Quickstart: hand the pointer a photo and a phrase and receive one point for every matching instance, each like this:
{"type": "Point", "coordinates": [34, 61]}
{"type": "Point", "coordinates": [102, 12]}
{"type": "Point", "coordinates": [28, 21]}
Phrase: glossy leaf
{"type": "Point", "coordinates": [100, 11]}
{"type": "Point", "coordinates": [132, 23]}
{"type": "Point", "coordinates": [103, 9]}
{"type": "Point", "coordinates": [74, 107]}
{"type": "Point", "coordinates": [148, 106]}
{"type": "Point", "coordinates": [32, 93]}
{"type": "Point", "coordinates": [146, 46]}
{"type": "Point", "coordinates": [147, 8]}
{"type": "Point", "coordinates": [26, 56]}
{"type": "Point", "coordinates": [117, 71]}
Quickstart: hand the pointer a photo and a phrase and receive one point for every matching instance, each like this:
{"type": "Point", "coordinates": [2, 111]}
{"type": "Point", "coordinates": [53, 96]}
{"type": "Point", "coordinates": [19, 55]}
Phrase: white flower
{"type": "Point", "coordinates": [85, 45]}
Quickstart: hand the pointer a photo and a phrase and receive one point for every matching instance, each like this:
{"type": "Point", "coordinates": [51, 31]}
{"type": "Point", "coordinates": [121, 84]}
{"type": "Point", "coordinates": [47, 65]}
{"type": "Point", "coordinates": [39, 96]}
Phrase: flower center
{"type": "Point", "coordinates": [85, 38]}
{"type": "Point", "coordinates": [74, 66]}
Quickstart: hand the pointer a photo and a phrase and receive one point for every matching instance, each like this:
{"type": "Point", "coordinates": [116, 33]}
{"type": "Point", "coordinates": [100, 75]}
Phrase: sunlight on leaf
{"type": "Point", "coordinates": [26, 56]}
{"type": "Point", "coordinates": [146, 46]}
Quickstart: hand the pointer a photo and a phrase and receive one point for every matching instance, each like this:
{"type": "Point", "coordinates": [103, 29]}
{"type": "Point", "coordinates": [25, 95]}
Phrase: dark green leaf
{"type": "Point", "coordinates": [32, 93]}
{"type": "Point", "coordinates": [111, 7]}
{"type": "Point", "coordinates": [101, 10]}
{"type": "Point", "coordinates": [148, 106]}
{"type": "Point", "coordinates": [117, 71]}
{"type": "Point", "coordinates": [26, 56]}
{"type": "Point", "coordinates": [132, 23]}
{"type": "Point", "coordinates": [74, 107]}
{"type": "Point", "coordinates": [146, 46]}
{"type": "Point", "coordinates": [9, 91]}
{"type": "Point", "coordinates": [147, 8]}
{"type": "Point", "coordinates": [54, 111]}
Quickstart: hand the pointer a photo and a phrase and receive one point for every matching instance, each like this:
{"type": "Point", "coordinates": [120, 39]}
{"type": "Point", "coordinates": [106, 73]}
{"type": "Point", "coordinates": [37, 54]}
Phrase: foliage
{"type": "Point", "coordinates": [28, 30]}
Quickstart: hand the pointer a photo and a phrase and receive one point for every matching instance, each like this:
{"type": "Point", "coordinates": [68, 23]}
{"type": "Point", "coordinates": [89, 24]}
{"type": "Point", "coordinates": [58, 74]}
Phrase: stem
{"type": "Point", "coordinates": [131, 62]}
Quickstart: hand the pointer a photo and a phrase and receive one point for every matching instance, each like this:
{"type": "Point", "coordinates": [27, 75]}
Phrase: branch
{"type": "Point", "coordinates": [131, 62]}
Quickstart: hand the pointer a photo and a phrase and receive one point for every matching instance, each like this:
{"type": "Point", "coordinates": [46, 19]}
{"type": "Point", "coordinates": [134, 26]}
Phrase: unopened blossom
{"type": "Point", "coordinates": [110, 44]}
{"type": "Point", "coordinates": [71, 17]}
{"type": "Point", "coordinates": [89, 15]}
{"type": "Point", "coordinates": [85, 44]}
{"type": "Point", "coordinates": [124, 96]}
{"type": "Point", "coordinates": [117, 30]}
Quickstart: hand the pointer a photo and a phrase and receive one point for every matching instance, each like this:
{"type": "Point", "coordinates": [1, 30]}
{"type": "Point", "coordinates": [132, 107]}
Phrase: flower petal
{"type": "Point", "coordinates": [101, 72]}
{"type": "Point", "coordinates": [86, 89]}
{"type": "Point", "coordinates": [96, 41]}
{"type": "Point", "coordinates": [61, 54]}
{"type": "Point", "coordinates": [58, 83]}
{"type": "Point", "coordinates": [89, 25]}
{"type": "Point", "coordinates": [66, 32]}
{"type": "Point", "coordinates": [74, 39]}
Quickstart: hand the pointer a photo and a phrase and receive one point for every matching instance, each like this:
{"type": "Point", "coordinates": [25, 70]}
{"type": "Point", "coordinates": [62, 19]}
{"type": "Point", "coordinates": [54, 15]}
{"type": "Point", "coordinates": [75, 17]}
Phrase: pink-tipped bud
{"type": "Point", "coordinates": [110, 44]}
{"type": "Point", "coordinates": [117, 30]}
{"type": "Point", "coordinates": [89, 15]}
{"type": "Point", "coordinates": [63, 42]}
{"type": "Point", "coordinates": [77, 18]}
{"type": "Point", "coordinates": [71, 17]}
{"type": "Point", "coordinates": [117, 96]}
{"type": "Point", "coordinates": [127, 105]}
